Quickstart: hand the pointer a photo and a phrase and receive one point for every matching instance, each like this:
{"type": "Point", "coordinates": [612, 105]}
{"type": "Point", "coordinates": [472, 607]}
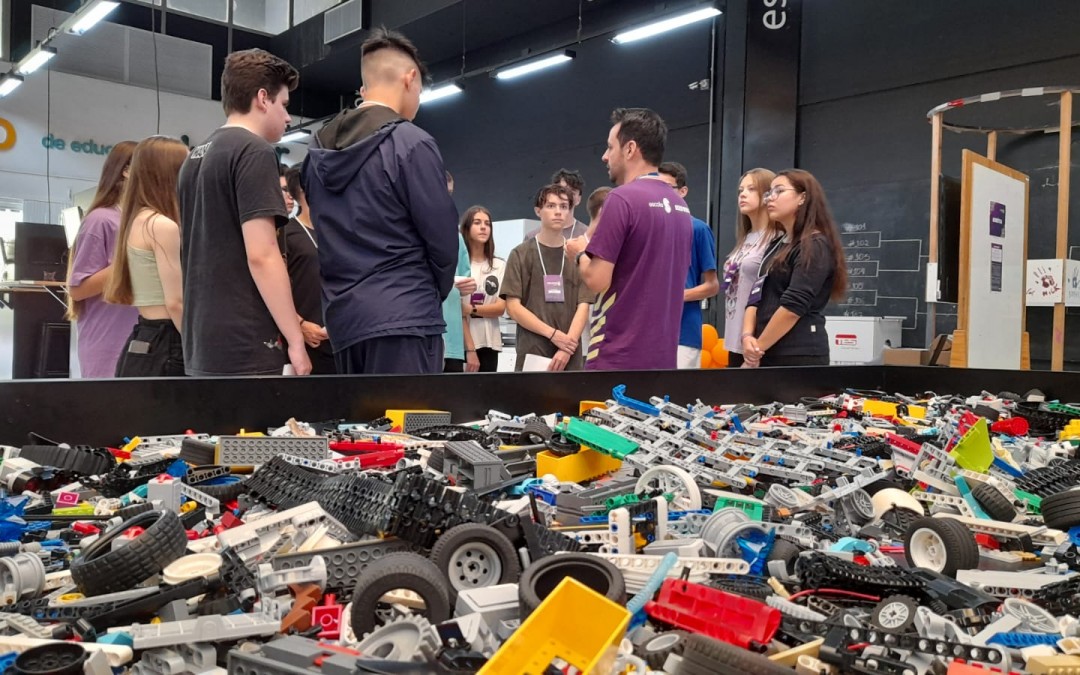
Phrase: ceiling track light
{"type": "Point", "coordinates": [90, 14]}
{"type": "Point", "coordinates": [665, 25]}
{"type": "Point", "coordinates": [296, 136]}
{"type": "Point", "coordinates": [9, 84]}
{"type": "Point", "coordinates": [37, 58]}
{"type": "Point", "coordinates": [529, 67]}
{"type": "Point", "coordinates": [440, 91]}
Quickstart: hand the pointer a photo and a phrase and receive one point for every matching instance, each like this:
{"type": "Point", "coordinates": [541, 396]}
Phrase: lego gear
{"type": "Point", "coordinates": [472, 555]}
{"type": "Point", "coordinates": [541, 578]}
{"type": "Point", "coordinates": [1061, 511]}
{"type": "Point", "coordinates": [103, 570]}
{"type": "Point", "coordinates": [399, 571]}
{"type": "Point", "coordinates": [941, 544]}
{"type": "Point", "coordinates": [895, 613]}
{"type": "Point", "coordinates": [656, 650]}
{"type": "Point", "coordinates": [994, 502]}
{"type": "Point", "coordinates": [702, 655]}
{"type": "Point", "coordinates": [408, 638]}
{"type": "Point", "coordinates": [667, 478]}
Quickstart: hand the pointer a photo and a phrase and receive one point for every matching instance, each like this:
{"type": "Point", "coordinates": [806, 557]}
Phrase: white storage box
{"type": "Point", "coordinates": [860, 340]}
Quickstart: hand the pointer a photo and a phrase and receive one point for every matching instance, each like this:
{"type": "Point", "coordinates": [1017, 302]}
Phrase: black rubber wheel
{"type": "Point", "coordinates": [656, 650]}
{"type": "Point", "coordinates": [1009, 396]}
{"type": "Point", "coordinates": [560, 446]}
{"type": "Point", "coordinates": [132, 510]}
{"type": "Point", "coordinates": [100, 570]}
{"type": "Point", "coordinates": [996, 505]}
{"type": "Point", "coordinates": [534, 433]}
{"type": "Point", "coordinates": [879, 485]}
{"type": "Point", "coordinates": [703, 655]}
{"type": "Point", "coordinates": [1061, 511]}
{"type": "Point", "coordinates": [784, 550]}
{"type": "Point", "coordinates": [895, 613]}
{"type": "Point", "coordinates": [941, 544]}
{"type": "Point", "coordinates": [472, 555]}
{"type": "Point", "coordinates": [541, 578]}
{"type": "Point", "coordinates": [436, 459]}
{"type": "Point", "coordinates": [409, 571]}
{"type": "Point", "coordinates": [59, 658]}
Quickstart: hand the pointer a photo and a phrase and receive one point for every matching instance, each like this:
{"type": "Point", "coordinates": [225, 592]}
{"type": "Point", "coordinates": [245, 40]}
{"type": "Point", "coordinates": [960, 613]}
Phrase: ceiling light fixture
{"type": "Point", "coordinates": [9, 84]}
{"type": "Point", "coordinates": [38, 57]}
{"type": "Point", "coordinates": [532, 66]}
{"type": "Point", "coordinates": [296, 136]}
{"type": "Point", "coordinates": [664, 25]}
{"type": "Point", "coordinates": [90, 14]}
{"type": "Point", "coordinates": [441, 91]}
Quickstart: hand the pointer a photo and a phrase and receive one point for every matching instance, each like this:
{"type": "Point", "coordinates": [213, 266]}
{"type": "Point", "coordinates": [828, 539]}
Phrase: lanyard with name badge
{"type": "Point", "coordinates": [304, 228]}
{"type": "Point", "coordinates": [755, 290]}
{"type": "Point", "coordinates": [553, 283]}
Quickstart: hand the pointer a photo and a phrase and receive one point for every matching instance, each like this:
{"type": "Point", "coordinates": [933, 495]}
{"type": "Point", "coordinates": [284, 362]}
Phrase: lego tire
{"type": "Point", "coordinates": [101, 570]}
{"type": "Point", "coordinates": [58, 658]}
{"type": "Point", "coordinates": [223, 492]}
{"type": "Point", "coordinates": [535, 433]}
{"type": "Point", "coordinates": [409, 571]}
{"type": "Point", "coordinates": [786, 552]}
{"type": "Point", "coordinates": [657, 649]}
{"type": "Point", "coordinates": [79, 460]}
{"type": "Point", "coordinates": [941, 544]}
{"type": "Point", "coordinates": [1061, 511]}
{"type": "Point", "coordinates": [994, 502]}
{"type": "Point", "coordinates": [703, 655]}
{"type": "Point", "coordinates": [472, 555]}
{"type": "Point", "coordinates": [540, 579]}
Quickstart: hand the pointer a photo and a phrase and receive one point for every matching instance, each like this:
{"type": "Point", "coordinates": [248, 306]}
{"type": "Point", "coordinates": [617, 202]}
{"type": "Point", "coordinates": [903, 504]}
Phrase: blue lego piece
{"type": "Point", "coordinates": [118, 638]}
{"type": "Point", "coordinates": [593, 520]}
{"type": "Point", "coordinates": [965, 493]}
{"type": "Point", "coordinates": [619, 394]}
{"type": "Point", "coordinates": [755, 548]}
{"type": "Point", "coordinates": [1021, 640]}
{"type": "Point", "coordinates": [1002, 465]}
{"type": "Point", "coordinates": [737, 423]}
{"type": "Point", "coordinates": [177, 469]}
{"type": "Point", "coordinates": [851, 544]}
{"type": "Point", "coordinates": [7, 661]}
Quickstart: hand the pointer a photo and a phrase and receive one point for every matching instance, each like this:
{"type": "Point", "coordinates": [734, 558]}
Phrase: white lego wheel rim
{"type": "Point", "coordinates": [888, 498]}
{"type": "Point", "coordinates": [672, 479]}
{"type": "Point", "coordinates": [1034, 617]}
{"type": "Point", "coordinates": [894, 615]}
{"type": "Point", "coordinates": [474, 565]}
{"type": "Point", "coordinates": [194, 566]}
{"type": "Point", "coordinates": [928, 550]}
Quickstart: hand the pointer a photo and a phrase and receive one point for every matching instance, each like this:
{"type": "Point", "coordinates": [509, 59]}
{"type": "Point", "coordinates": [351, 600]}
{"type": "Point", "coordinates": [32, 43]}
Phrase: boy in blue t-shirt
{"type": "Point", "coordinates": [701, 280]}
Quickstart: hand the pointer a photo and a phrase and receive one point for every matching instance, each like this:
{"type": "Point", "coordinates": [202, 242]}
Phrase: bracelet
{"type": "Point", "coordinates": [577, 259]}
{"type": "Point", "coordinates": [553, 334]}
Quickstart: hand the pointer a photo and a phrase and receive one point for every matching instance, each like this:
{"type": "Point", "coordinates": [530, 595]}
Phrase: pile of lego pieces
{"type": "Point", "coordinates": [858, 533]}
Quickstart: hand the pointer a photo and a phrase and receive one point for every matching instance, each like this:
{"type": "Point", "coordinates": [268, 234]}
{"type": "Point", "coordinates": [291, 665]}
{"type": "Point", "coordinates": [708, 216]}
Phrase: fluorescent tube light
{"type": "Point", "coordinates": [665, 25]}
{"type": "Point", "coordinates": [9, 84]}
{"type": "Point", "coordinates": [435, 93]}
{"type": "Point", "coordinates": [296, 136]}
{"type": "Point", "coordinates": [90, 14]}
{"type": "Point", "coordinates": [533, 66]}
{"type": "Point", "coordinates": [38, 57]}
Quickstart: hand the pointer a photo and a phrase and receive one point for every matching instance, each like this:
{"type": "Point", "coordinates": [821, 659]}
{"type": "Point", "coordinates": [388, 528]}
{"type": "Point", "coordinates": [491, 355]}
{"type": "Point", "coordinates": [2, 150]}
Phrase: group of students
{"type": "Point", "coordinates": [188, 261]}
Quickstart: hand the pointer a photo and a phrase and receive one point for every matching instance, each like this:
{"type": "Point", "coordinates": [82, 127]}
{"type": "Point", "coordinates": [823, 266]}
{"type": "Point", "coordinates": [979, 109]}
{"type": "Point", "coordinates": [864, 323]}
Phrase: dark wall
{"type": "Point", "coordinates": [503, 139]}
{"type": "Point", "coordinates": [869, 73]}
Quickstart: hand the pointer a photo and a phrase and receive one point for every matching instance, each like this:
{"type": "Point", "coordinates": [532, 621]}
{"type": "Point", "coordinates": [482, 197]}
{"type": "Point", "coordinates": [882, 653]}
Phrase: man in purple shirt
{"type": "Point", "coordinates": [638, 256]}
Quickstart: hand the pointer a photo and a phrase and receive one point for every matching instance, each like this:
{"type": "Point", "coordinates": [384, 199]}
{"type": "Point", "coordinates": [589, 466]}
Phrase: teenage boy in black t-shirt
{"type": "Point", "coordinates": [237, 297]}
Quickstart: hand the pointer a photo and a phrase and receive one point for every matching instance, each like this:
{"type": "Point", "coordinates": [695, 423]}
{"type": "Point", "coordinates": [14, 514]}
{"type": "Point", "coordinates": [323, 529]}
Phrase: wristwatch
{"type": "Point", "coordinates": [577, 258]}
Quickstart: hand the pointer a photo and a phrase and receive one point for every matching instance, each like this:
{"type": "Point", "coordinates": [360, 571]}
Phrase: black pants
{"type": "Point", "coordinates": [769, 361]}
{"type": "Point", "coordinates": [322, 361]}
{"type": "Point", "coordinates": [734, 360]}
{"type": "Point", "coordinates": [152, 350]}
{"type": "Point", "coordinates": [393, 354]}
{"type": "Point", "coordinates": [489, 359]}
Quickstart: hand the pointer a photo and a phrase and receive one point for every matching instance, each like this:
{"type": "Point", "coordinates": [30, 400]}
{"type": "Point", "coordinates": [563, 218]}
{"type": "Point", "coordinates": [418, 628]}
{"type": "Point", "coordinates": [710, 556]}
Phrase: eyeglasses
{"type": "Point", "coordinates": [776, 192]}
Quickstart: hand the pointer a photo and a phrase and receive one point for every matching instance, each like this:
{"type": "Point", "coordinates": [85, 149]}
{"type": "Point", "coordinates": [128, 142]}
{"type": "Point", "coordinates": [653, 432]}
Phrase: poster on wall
{"type": "Point", "coordinates": [997, 259]}
{"type": "Point", "coordinates": [1045, 282]}
{"type": "Point", "coordinates": [997, 219]}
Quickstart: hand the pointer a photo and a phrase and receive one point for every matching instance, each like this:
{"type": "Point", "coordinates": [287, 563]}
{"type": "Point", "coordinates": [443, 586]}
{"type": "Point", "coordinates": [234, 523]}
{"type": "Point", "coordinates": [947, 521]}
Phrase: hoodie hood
{"type": "Point", "coordinates": [348, 142]}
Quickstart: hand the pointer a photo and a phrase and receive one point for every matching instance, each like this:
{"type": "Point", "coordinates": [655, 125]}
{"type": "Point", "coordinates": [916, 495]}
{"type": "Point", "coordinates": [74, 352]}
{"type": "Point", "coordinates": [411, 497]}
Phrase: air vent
{"type": "Point", "coordinates": [343, 20]}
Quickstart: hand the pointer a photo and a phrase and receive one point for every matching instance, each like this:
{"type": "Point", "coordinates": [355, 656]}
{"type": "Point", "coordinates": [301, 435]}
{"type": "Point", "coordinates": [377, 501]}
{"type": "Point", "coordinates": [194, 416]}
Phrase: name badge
{"type": "Point", "coordinates": [553, 288]}
{"type": "Point", "coordinates": [476, 299]}
{"type": "Point", "coordinates": [755, 290]}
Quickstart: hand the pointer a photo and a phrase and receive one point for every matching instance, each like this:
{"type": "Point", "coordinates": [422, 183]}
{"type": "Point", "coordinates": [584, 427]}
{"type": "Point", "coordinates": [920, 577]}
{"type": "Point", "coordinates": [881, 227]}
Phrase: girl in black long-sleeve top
{"type": "Point", "coordinates": [784, 323]}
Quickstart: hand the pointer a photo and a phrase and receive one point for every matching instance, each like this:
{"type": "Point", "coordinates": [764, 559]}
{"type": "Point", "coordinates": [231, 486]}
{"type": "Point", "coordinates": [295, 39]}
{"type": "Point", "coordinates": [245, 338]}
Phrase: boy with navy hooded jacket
{"type": "Point", "coordinates": [388, 241]}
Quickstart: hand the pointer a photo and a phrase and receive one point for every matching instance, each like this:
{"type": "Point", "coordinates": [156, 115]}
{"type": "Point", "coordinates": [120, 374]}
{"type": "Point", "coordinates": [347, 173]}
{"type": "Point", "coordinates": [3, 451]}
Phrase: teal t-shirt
{"type": "Point", "coordinates": [454, 338]}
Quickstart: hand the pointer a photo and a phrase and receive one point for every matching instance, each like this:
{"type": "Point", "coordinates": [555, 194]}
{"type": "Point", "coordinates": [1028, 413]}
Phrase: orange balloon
{"type": "Point", "coordinates": [709, 336]}
{"type": "Point", "coordinates": [719, 356]}
{"type": "Point", "coordinates": [706, 359]}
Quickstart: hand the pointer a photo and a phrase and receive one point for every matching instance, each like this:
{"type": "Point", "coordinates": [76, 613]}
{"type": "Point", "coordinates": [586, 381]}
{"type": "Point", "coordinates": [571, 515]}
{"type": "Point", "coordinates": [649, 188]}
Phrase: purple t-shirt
{"type": "Point", "coordinates": [646, 231]}
{"type": "Point", "coordinates": [103, 328]}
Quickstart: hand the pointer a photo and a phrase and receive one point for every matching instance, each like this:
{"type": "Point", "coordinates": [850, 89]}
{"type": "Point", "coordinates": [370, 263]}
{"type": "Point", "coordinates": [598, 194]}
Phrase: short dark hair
{"type": "Point", "coordinates": [248, 71]}
{"type": "Point", "coordinates": [281, 169]}
{"type": "Point", "coordinates": [384, 38]}
{"type": "Point", "coordinates": [676, 171]}
{"type": "Point", "coordinates": [644, 127]}
{"type": "Point", "coordinates": [542, 194]}
{"type": "Point", "coordinates": [573, 179]}
{"type": "Point", "coordinates": [292, 181]}
{"type": "Point", "coordinates": [596, 201]}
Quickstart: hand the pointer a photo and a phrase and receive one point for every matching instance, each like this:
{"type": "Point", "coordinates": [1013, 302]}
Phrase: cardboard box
{"type": "Point", "coordinates": [906, 357]}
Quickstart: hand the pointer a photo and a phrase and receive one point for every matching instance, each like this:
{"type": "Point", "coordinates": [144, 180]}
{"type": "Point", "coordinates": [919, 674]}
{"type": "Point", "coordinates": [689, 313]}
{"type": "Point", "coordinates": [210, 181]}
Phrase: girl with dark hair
{"type": "Point", "coordinates": [101, 328]}
{"type": "Point", "coordinates": [484, 307]}
{"type": "Point", "coordinates": [784, 323]}
{"type": "Point", "coordinates": [754, 232]}
{"type": "Point", "coordinates": [146, 274]}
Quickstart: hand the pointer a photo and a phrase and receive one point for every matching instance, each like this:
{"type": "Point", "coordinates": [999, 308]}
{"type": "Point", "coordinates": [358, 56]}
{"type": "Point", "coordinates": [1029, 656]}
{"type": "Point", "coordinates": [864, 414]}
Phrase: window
{"type": "Point", "coordinates": [264, 16]}
{"type": "Point", "coordinates": [305, 9]}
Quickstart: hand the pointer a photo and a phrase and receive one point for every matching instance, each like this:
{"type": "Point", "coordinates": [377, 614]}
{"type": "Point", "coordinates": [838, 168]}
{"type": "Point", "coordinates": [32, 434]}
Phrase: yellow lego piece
{"type": "Point", "coordinates": [790, 657]}
{"type": "Point", "coordinates": [1059, 664]}
{"type": "Point", "coordinates": [80, 510]}
{"type": "Point", "coordinates": [407, 421]}
{"type": "Point", "coordinates": [131, 445]}
{"type": "Point", "coordinates": [1071, 432]}
{"type": "Point", "coordinates": [882, 409]}
{"type": "Point", "coordinates": [586, 406]}
{"type": "Point", "coordinates": [574, 624]}
{"type": "Point", "coordinates": [576, 468]}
